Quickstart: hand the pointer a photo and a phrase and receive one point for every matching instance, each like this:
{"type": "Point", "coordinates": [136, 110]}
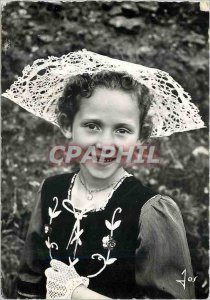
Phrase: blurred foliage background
{"type": "Point", "coordinates": [169, 36]}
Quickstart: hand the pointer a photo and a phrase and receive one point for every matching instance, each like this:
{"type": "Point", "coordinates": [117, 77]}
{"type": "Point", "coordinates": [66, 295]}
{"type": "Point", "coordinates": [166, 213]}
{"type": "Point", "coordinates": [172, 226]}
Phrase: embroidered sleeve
{"type": "Point", "coordinates": [163, 263]}
{"type": "Point", "coordinates": [31, 279]}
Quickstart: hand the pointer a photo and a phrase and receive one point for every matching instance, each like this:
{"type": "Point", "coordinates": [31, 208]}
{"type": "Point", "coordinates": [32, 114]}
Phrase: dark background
{"type": "Point", "coordinates": [169, 36]}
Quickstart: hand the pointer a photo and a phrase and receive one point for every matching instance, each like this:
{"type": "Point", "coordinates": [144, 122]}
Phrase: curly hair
{"type": "Point", "coordinates": [83, 86]}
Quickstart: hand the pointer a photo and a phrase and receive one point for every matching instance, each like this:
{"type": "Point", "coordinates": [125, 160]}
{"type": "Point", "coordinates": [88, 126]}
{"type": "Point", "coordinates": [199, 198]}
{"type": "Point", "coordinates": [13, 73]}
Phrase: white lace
{"type": "Point", "coordinates": [42, 84]}
{"type": "Point", "coordinates": [62, 280]}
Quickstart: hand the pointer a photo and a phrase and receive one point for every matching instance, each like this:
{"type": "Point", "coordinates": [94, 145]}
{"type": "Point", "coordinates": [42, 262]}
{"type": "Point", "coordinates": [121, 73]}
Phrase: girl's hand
{"type": "Point", "coordinates": [62, 280]}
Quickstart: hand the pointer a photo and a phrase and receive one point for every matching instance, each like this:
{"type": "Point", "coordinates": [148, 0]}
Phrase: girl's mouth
{"type": "Point", "coordinates": [105, 161]}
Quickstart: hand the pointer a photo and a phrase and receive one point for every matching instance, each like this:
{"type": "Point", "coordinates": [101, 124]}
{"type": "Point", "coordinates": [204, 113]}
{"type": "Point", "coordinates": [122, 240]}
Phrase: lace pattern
{"type": "Point", "coordinates": [42, 84]}
{"type": "Point", "coordinates": [62, 280]}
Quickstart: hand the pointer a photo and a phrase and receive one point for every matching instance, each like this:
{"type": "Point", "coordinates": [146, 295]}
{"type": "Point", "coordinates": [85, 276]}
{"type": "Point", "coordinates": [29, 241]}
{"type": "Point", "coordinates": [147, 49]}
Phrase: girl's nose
{"type": "Point", "coordinates": [105, 139]}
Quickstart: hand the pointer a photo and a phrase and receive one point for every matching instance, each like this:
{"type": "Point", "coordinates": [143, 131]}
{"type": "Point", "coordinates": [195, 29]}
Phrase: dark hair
{"type": "Point", "coordinates": [83, 86]}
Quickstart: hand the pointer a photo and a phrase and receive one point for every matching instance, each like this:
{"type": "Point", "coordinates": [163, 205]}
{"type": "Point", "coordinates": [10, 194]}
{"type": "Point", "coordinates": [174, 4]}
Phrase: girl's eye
{"type": "Point", "coordinates": [123, 130]}
{"type": "Point", "coordinates": [92, 127]}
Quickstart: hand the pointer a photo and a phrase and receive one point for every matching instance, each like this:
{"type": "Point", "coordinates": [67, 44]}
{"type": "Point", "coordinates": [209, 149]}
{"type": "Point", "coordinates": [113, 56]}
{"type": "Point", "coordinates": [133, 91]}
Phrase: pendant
{"type": "Point", "coordinates": [89, 196]}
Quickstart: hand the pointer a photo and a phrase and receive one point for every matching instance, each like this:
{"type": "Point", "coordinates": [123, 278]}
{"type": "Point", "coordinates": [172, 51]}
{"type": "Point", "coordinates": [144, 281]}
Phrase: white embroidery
{"type": "Point", "coordinates": [76, 231]}
{"type": "Point", "coordinates": [53, 213]}
{"type": "Point", "coordinates": [75, 237]}
{"type": "Point", "coordinates": [51, 245]}
{"type": "Point", "coordinates": [107, 261]}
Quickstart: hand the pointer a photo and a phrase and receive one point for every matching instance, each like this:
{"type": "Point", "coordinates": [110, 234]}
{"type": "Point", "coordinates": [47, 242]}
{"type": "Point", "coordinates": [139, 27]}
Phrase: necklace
{"type": "Point", "coordinates": [115, 187]}
{"type": "Point", "coordinates": [90, 192]}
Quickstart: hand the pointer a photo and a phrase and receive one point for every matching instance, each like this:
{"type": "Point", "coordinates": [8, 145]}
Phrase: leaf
{"type": "Point", "coordinates": [130, 9]}
{"type": "Point", "coordinates": [195, 38]}
{"type": "Point", "coordinates": [116, 224]}
{"type": "Point", "coordinates": [110, 261]}
{"type": "Point", "coordinates": [50, 212]}
{"type": "Point", "coordinates": [200, 151]}
{"type": "Point", "coordinates": [108, 225]}
{"type": "Point", "coordinates": [47, 244]}
{"type": "Point", "coordinates": [121, 22]}
{"type": "Point", "coordinates": [34, 183]}
{"type": "Point", "coordinates": [152, 7]}
{"type": "Point", "coordinates": [45, 38]}
{"type": "Point", "coordinates": [55, 214]}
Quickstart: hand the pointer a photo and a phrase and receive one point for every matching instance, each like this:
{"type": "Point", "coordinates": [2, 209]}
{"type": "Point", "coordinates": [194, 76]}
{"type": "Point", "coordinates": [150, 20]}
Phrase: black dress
{"type": "Point", "coordinates": [135, 247]}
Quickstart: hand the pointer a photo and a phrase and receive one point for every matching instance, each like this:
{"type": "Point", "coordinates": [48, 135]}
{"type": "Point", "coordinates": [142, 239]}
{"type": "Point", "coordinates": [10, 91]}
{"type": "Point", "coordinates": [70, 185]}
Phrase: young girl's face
{"type": "Point", "coordinates": [107, 118]}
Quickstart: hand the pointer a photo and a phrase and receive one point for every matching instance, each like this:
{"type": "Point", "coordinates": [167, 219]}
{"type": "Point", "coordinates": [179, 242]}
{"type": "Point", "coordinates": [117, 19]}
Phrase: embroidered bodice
{"type": "Point", "coordinates": [119, 248]}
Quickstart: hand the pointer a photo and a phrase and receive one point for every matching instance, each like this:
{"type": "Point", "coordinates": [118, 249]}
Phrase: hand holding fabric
{"type": "Point", "coordinates": [62, 280]}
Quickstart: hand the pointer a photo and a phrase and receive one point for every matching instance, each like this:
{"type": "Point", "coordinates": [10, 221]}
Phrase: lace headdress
{"type": "Point", "coordinates": [42, 83]}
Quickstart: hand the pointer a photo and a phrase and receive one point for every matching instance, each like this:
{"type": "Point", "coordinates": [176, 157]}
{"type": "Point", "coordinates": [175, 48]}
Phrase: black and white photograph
{"type": "Point", "coordinates": [105, 149]}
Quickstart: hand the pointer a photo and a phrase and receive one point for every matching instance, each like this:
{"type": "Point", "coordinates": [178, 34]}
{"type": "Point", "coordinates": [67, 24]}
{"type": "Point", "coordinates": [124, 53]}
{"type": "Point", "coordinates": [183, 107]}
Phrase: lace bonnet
{"type": "Point", "coordinates": [42, 83]}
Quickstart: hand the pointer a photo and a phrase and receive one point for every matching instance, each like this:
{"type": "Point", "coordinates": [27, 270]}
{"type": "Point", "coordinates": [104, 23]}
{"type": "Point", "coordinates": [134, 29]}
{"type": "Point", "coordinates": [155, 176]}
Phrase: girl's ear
{"type": "Point", "coordinates": [66, 132]}
{"type": "Point", "coordinates": [65, 126]}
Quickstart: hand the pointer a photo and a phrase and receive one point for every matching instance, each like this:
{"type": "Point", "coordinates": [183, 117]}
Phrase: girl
{"type": "Point", "coordinates": [99, 233]}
